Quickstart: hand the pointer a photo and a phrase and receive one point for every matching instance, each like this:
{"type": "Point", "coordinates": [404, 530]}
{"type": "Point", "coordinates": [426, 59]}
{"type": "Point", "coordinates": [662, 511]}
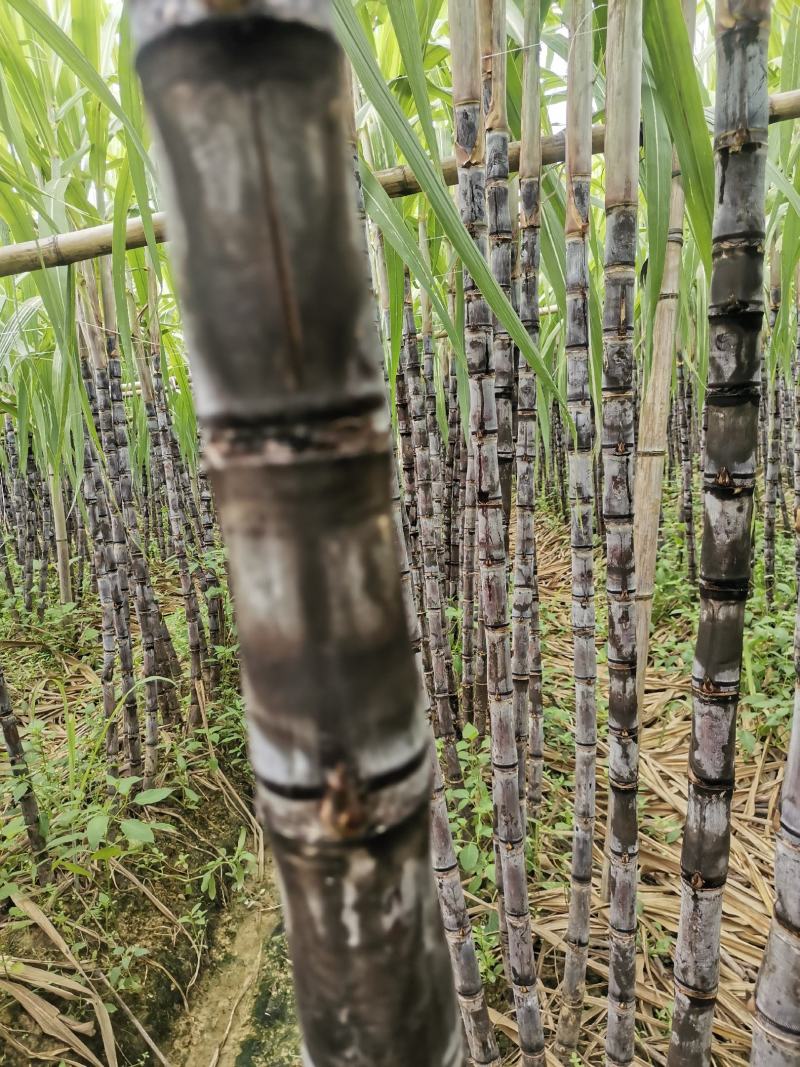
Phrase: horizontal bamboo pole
{"type": "Point", "coordinates": [75, 246]}
{"type": "Point", "coordinates": [400, 181]}
{"type": "Point", "coordinates": [784, 106]}
{"type": "Point", "coordinates": [93, 241]}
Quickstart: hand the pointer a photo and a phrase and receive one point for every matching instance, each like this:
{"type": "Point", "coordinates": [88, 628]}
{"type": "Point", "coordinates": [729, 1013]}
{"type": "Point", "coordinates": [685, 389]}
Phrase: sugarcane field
{"type": "Point", "coordinates": [400, 533]}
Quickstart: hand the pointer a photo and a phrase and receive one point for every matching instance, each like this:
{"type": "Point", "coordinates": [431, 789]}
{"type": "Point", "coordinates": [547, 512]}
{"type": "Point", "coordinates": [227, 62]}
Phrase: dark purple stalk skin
{"type": "Point", "coordinates": [527, 658]}
{"type": "Point", "coordinates": [687, 479]}
{"type": "Point", "coordinates": [736, 312]}
{"type": "Point", "coordinates": [439, 644]}
{"type": "Point", "coordinates": [623, 61]}
{"type": "Point", "coordinates": [493, 597]}
{"type": "Point", "coordinates": [251, 109]}
{"type": "Point", "coordinates": [581, 484]}
{"type": "Point", "coordinates": [776, 1031]}
{"type": "Point", "coordinates": [26, 798]}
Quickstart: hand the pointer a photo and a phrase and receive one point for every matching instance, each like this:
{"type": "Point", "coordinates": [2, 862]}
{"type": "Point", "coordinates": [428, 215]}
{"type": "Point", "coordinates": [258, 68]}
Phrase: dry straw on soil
{"type": "Point", "coordinates": [662, 801]}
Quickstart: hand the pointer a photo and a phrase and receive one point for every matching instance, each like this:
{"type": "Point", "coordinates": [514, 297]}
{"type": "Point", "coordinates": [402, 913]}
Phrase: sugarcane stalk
{"type": "Point", "coordinates": [623, 103]}
{"type": "Point", "coordinates": [786, 427]}
{"type": "Point", "coordinates": [776, 1029]}
{"type": "Point", "coordinates": [736, 311]}
{"type": "Point", "coordinates": [457, 494]}
{"type": "Point", "coordinates": [771, 410]}
{"type": "Point", "coordinates": [113, 530]}
{"type": "Point", "coordinates": [509, 828]}
{"type": "Point", "coordinates": [524, 569]}
{"type": "Point", "coordinates": [61, 540]}
{"type": "Point", "coordinates": [455, 461]}
{"type": "Point", "coordinates": [17, 502]}
{"type": "Point", "coordinates": [493, 38]}
{"type": "Point", "coordinates": [481, 1040]}
{"type": "Point", "coordinates": [29, 552]}
{"type": "Point", "coordinates": [581, 482]}
{"type": "Point", "coordinates": [467, 593]}
{"type": "Point", "coordinates": [46, 536]}
{"type": "Point", "coordinates": [411, 521]}
{"type": "Point", "coordinates": [25, 795]}
{"type": "Point", "coordinates": [105, 572]}
{"type": "Point", "coordinates": [440, 648]}
{"type": "Point", "coordinates": [527, 657]}
{"type": "Point", "coordinates": [687, 479]}
{"type": "Point", "coordinates": [434, 437]}
{"type": "Point", "coordinates": [298, 453]}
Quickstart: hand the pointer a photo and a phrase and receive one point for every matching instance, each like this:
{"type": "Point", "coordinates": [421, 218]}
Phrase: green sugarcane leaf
{"type": "Point", "coordinates": [10, 121]}
{"type": "Point", "coordinates": [29, 88]}
{"type": "Point", "coordinates": [785, 187]}
{"type": "Point", "coordinates": [406, 28]}
{"type": "Point", "coordinates": [387, 217]}
{"type": "Point", "coordinates": [657, 173]}
{"type": "Point", "coordinates": [394, 273]}
{"type": "Point", "coordinates": [791, 238]}
{"type": "Point", "coordinates": [85, 31]}
{"type": "Point", "coordinates": [131, 100]}
{"type": "Point", "coordinates": [675, 81]}
{"type": "Point", "coordinates": [52, 34]}
{"type": "Point", "coordinates": [354, 42]}
{"type": "Point", "coordinates": [122, 199]}
{"type": "Point", "coordinates": [554, 249]}
{"type": "Point", "coordinates": [790, 78]}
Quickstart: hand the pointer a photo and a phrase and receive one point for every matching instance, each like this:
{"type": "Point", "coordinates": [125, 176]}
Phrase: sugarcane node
{"type": "Point", "coordinates": [695, 995]}
{"type": "Point", "coordinates": [342, 807]}
{"type": "Point", "coordinates": [696, 881]}
{"type": "Point", "coordinates": [723, 478]}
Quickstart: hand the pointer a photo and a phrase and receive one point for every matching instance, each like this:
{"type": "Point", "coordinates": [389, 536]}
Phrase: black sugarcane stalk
{"type": "Point", "coordinates": [736, 312]}
{"type": "Point", "coordinates": [298, 452]}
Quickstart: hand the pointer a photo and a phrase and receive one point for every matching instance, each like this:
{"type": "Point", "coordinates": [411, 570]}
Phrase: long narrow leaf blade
{"type": "Point", "coordinates": [352, 39]}
{"type": "Point", "coordinates": [675, 79]}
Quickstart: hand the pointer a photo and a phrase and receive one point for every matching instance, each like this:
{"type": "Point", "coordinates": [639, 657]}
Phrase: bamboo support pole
{"type": "Point", "coordinates": [60, 249]}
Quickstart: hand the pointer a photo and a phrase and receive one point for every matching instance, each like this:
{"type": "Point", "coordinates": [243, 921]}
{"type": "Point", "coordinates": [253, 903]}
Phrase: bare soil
{"type": "Point", "coordinates": [241, 1013]}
